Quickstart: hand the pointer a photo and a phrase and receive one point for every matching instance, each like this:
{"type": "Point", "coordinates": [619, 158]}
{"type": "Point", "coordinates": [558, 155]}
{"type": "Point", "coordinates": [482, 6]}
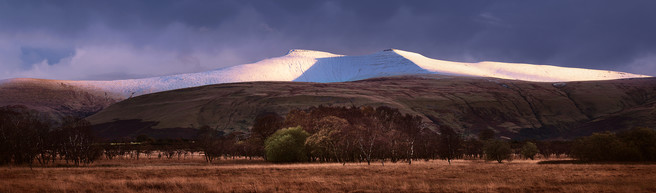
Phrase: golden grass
{"type": "Point", "coordinates": [192, 175]}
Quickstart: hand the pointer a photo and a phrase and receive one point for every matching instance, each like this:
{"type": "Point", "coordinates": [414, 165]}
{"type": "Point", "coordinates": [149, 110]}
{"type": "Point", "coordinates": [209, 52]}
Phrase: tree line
{"type": "Point", "coordinates": [634, 145]}
{"type": "Point", "coordinates": [370, 134]}
{"type": "Point", "coordinates": [26, 138]}
{"type": "Point", "coordinates": [318, 134]}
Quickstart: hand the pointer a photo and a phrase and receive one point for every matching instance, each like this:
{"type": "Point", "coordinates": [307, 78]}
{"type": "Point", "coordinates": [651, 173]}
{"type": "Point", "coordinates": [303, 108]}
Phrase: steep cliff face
{"type": "Point", "coordinates": [516, 109]}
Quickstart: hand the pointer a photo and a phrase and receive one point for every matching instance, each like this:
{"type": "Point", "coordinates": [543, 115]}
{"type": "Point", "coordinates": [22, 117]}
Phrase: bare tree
{"type": "Point", "coordinates": [450, 144]}
{"type": "Point", "coordinates": [208, 141]}
{"type": "Point", "coordinates": [412, 127]}
{"type": "Point", "coordinates": [77, 142]}
{"type": "Point", "coordinates": [265, 125]}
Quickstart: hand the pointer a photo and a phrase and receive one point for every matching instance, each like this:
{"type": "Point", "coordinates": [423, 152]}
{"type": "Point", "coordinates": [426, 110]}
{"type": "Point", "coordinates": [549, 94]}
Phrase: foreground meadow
{"type": "Point", "coordinates": [192, 175]}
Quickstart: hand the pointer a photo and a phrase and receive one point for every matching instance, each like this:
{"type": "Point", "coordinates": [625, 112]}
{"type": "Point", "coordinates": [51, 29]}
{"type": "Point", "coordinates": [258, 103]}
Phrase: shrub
{"type": "Point", "coordinates": [642, 141]}
{"type": "Point", "coordinates": [497, 150]}
{"type": "Point", "coordinates": [529, 150]}
{"type": "Point", "coordinates": [633, 145]}
{"type": "Point", "coordinates": [287, 145]}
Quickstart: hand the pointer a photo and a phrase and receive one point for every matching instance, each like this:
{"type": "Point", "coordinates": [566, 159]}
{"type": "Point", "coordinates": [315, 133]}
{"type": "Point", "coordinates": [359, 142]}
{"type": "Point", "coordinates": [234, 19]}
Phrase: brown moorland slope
{"type": "Point", "coordinates": [55, 99]}
{"type": "Point", "coordinates": [516, 109]}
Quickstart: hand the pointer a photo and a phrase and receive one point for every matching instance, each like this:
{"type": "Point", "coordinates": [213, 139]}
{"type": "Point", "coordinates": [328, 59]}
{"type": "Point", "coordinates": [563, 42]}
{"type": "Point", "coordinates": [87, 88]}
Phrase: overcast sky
{"type": "Point", "coordinates": [102, 40]}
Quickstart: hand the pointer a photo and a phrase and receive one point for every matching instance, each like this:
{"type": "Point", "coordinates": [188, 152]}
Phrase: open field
{"type": "Point", "coordinates": [192, 175]}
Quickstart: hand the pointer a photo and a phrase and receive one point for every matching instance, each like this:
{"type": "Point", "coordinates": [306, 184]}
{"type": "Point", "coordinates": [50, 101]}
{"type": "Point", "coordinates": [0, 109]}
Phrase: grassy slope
{"type": "Point", "coordinates": [54, 98]}
{"type": "Point", "coordinates": [516, 109]}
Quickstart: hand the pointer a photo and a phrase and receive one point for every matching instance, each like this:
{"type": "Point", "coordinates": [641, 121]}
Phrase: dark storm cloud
{"type": "Point", "coordinates": [129, 39]}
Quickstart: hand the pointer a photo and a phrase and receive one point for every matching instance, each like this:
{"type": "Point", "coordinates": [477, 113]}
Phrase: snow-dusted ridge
{"type": "Point", "coordinates": [317, 66]}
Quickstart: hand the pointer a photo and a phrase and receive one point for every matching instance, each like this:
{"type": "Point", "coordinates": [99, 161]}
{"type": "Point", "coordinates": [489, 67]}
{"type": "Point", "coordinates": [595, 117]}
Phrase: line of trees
{"type": "Point", "coordinates": [142, 145]}
{"type": "Point", "coordinates": [368, 134]}
{"type": "Point", "coordinates": [215, 144]}
{"type": "Point", "coordinates": [319, 134]}
{"type": "Point", "coordinates": [350, 134]}
{"type": "Point", "coordinates": [26, 138]}
{"type": "Point", "coordinates": [633, 145]}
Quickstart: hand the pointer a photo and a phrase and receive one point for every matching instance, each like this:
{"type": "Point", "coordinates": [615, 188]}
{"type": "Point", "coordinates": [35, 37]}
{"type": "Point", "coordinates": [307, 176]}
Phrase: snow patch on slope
{"type": "Point", "coordinates": [317, 66]}
{"type": "Point", "coordinates": [517, 71]}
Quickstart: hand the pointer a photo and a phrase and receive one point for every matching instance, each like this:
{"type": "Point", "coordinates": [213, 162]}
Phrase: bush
{"type": "Point", "coordinates": [529, 150]}
{"type": "Point", "coordinates": [286, 145]}
{"type": "Point", "coordinates": [642, 141]}
{"type": "Point", "coordinates": [633, 145]}
{"type": "Point", "coordinates": [597, 147]}
{"type": "Point", "coordinates": [497, 150]}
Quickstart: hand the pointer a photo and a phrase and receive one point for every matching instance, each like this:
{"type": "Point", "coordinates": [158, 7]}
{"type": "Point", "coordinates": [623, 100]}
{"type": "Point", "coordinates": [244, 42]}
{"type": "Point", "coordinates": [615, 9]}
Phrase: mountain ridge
{"type": "Point", "coordinates": [60, 98]}
{"type": "Point", "coordinates": [318, 66]}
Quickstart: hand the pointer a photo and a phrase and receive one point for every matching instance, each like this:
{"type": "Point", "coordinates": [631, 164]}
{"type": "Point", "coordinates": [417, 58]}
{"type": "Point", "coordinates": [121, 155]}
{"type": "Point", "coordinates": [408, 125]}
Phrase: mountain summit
{"type": "Point", "coordinates": [317, 66]}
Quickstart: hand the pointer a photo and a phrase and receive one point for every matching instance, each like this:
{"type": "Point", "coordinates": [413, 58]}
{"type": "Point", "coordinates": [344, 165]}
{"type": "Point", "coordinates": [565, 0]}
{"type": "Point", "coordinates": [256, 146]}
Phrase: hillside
{"type": "Point", "coordinates": [53, 98]}
{"type": "Point", "coordinates": [516, 109]}
{"type": "Point", "coordinates": [317, 66]}
{"type": "Point", "coordinates": [58, 98]}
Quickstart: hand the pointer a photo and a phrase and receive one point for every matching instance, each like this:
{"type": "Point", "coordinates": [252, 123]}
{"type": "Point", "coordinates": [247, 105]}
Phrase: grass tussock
{"type": "Point", "coordinates": [258, 176]}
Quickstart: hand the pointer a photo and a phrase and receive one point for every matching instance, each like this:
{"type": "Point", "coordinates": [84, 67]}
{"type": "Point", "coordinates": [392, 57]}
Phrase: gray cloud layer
{"type": "Point", "coordinates": [131, 39]}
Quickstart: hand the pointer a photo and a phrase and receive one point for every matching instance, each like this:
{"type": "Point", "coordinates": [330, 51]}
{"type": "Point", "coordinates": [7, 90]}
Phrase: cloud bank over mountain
{"type": "Point", "coordinates": [103, 40]}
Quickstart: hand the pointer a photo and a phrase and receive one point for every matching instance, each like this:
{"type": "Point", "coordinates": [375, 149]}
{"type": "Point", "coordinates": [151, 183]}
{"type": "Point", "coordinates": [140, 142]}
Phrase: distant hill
{"type": "Point", "coordinates": [54, 99]}
{"type": "Point", "coordinates": [317, 66]}
{"type": "Point", "coordinates": [516, 109]}
{"type": "Point", "coordinates": [466, 96]}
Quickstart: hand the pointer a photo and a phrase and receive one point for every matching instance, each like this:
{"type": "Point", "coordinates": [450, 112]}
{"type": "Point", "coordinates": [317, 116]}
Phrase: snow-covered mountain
{"type": "Point", "coordinates": [317, 66]}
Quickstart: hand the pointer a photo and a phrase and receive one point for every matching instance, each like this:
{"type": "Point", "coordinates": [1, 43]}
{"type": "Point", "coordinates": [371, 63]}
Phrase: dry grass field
{"type": "Point", "coordinates": [193, 175]}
